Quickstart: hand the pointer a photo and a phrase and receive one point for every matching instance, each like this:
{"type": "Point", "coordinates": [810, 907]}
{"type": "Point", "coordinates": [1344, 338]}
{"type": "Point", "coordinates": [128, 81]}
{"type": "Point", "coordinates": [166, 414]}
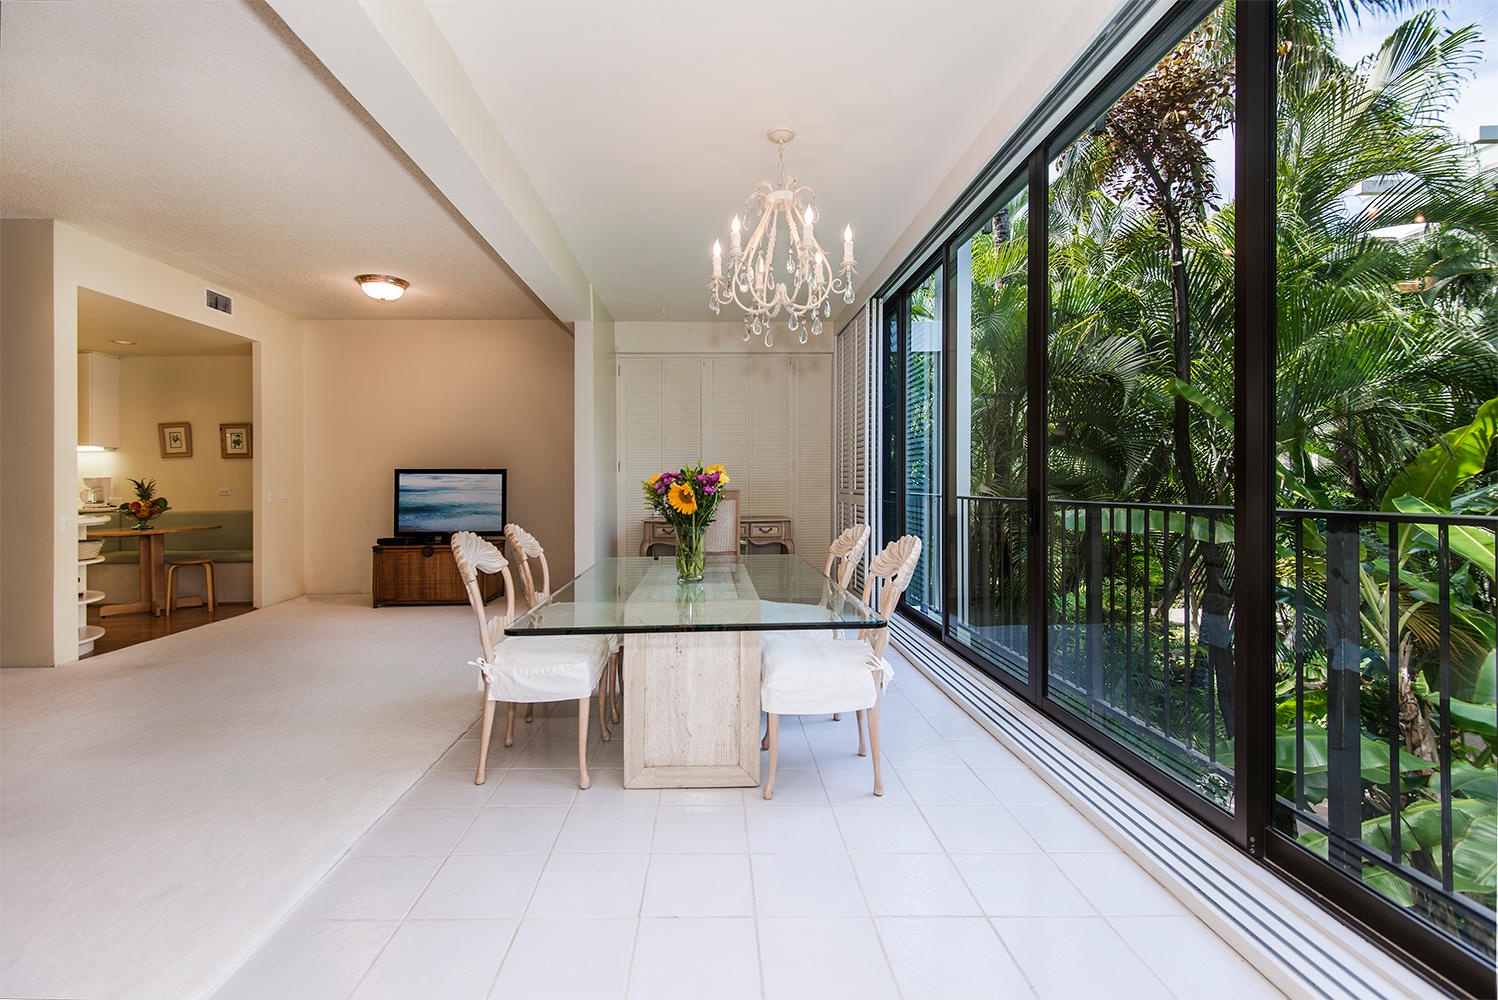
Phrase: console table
{"type": "Point", "coordinates": [752, 531]}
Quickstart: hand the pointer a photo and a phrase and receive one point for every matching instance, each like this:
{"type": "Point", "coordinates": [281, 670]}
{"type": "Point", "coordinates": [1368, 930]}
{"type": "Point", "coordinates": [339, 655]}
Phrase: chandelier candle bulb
{"type": "Point", "coordinates": [717, 259]}
{"type": "Point", "coordinates": [847, 246]}
{"type": "Point", "coordinates": [734, 238]}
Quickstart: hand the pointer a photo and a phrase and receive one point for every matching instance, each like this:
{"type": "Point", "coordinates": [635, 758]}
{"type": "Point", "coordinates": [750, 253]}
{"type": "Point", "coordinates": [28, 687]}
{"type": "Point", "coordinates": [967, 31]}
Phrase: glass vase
{"type": "Point", "coordinates": [689, 554]}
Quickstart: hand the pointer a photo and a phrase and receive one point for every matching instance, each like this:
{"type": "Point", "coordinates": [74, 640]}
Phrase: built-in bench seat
{"type": "Point", "coordinates": [231, 543]}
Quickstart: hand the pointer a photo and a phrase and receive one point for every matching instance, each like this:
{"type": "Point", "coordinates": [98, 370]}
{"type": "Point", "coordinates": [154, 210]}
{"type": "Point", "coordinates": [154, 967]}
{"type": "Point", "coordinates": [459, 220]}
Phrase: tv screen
{"type": "Point", "coordinates": [441, 501]}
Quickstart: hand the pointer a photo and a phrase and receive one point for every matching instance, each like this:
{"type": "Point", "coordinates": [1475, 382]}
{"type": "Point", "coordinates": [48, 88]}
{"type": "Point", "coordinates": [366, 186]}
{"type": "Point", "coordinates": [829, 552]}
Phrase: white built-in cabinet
{"type": "Point", "coordinates": [767, 418]}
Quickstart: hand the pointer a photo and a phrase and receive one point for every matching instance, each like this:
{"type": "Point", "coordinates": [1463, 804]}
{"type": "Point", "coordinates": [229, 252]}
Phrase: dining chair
{"type": "Point", "coordinates": [523, 549]}
{"type": "Point", "coordinates": [810, 674]}
{"type": "Point", "coordinates": [532, 668]}
{"type": "Point", "coordinates": [844, 553]}
{"type": "Point", "coordinates": [722, 536]}
{"type": "Point", "coordinates": [520, 548]}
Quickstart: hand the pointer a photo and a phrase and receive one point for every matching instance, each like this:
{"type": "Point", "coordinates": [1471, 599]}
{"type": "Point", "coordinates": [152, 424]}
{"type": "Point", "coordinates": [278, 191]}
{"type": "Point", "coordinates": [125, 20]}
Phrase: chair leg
{"type": "Point", "coordinates": [772, 734]}
{"type": "Point", "coordinates": [874, 747]}
{"type": "Point", "coordinates": [530, 711]}
{"type": "Point", "coordinates": [863, 747]}
{"type": "Point", "coordinates": [510, 724]}
{"type": "Point", "coordinates": [764, 741]}
{"type": "Point", "coordinates": [618, 685]}
{"type": "Point", "coordinates": [171, 588]}
{"type": "Point", "coordinates": [837, 716]}
{"type": "Point", "coordinates": [208, 585]}
{"type": "Point", "coordinates": [603, 715]}
{"type": "Point", "coordinates": [583, 781]}
{"type": "Point", "coordinates": [484, 740]}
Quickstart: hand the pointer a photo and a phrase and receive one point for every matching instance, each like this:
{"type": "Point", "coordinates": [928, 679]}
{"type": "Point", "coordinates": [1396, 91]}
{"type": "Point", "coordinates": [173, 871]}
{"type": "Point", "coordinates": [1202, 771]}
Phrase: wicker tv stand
{"type": "Point", "coordinates": [424, 573]}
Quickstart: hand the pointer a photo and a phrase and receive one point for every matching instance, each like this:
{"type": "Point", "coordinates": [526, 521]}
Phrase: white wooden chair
{"type": "Point", "coordinates": [527, 669]}
{"type": "Point", "coordinates": [520, 548]}
{"type": "Point", "coordinates": [722, 536]}
{"type": "Point", "coordinates": [847, 548]}
{"type": "Point", "coordinates": [811, 675]}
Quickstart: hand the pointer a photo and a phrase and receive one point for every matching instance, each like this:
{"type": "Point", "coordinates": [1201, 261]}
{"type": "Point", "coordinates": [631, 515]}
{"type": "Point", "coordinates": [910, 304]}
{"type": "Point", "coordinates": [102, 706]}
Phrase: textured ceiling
{"type": "Point", "coordinates": [204, 136]}
{"type": "Point", "coordinates": [642, 122]}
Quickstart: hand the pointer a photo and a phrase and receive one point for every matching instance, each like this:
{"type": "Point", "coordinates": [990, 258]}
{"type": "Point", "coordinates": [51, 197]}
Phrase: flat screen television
{"type": "Point", "coordinates": [432, 502]}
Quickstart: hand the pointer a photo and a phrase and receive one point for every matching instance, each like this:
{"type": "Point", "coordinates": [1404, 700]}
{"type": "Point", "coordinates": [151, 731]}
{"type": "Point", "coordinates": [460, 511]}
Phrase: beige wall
{"type": "Point", "coordinates": [44, 376]}
{"type": "Point", "coordinates": [202, 391]}
{"type": "Point", "coordinates": [26, 445]}
{"type": "Point", "coordinates": [388, 394]}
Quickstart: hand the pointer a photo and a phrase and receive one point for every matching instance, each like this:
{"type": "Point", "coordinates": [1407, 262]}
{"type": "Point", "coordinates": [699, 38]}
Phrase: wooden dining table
{"type": "Point", "coordinates": [152, 568]}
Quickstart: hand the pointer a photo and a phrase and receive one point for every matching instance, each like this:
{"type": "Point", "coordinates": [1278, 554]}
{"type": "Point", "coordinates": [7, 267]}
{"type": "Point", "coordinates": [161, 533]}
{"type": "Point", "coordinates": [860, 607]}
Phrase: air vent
{"type": "Point", "coordinates": [219, 301]}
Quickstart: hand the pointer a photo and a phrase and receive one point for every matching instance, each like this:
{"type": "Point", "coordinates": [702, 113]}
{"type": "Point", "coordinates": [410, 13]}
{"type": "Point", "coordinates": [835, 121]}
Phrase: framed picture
{"type": "Point", "coordinates": [234, 441]}
{"type": "Point", "coordinates": [176, 439]}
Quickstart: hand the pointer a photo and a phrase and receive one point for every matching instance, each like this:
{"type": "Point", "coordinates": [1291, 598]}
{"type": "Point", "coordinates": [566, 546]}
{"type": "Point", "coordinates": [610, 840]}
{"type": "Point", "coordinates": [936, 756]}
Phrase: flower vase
{"type": "Point", "coordinates": [689, 554]}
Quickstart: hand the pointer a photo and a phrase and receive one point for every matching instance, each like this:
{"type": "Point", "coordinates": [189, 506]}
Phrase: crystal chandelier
{"type": "Point", "coordinates": [753, 282]}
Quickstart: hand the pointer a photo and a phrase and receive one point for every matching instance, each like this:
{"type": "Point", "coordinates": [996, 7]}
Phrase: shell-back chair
{"type": "Point", "coordinates": [809, 674]}
{"type": "Point", "coordinates": [531, 668]}
{"type": "Point", "coordinates": [520, 548]}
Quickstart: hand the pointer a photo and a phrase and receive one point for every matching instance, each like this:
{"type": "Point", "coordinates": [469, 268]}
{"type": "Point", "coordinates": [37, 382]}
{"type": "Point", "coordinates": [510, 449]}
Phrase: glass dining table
{"type": "Point", "coordinates": [691, 653]}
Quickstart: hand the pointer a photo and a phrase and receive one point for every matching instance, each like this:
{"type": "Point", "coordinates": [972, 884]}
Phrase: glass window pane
{"type": "Point", "coordinates": [1139, 417]}
{"type": "Point", "coordinates": [1386, 378]}
{"type": "Point", "coordinates": [990, 613]}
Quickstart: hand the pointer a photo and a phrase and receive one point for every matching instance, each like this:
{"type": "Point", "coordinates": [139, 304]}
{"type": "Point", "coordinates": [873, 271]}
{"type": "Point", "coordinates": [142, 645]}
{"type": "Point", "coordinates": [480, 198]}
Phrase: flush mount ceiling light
{"type": "Point", "coordinates": [124, 343]}
{"type": "Point", "coordinates": [752, 283]}
{"type": "Point", "coordinates": [384, 287]}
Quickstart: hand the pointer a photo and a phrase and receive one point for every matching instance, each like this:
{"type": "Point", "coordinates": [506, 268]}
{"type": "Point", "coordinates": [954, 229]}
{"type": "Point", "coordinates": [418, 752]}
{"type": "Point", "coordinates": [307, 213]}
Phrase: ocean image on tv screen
{"type": "Point", "coordinates": [450, 501]}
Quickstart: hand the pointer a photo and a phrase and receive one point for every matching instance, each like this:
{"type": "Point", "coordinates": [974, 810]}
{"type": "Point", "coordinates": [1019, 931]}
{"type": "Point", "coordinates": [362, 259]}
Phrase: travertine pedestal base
{"type": "Point", "coordinates": [691, 705]}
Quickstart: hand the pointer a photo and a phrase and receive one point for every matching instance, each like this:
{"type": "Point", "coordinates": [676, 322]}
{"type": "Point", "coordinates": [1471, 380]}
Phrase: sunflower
{"type": "Point", "coordinates": [683, 499]}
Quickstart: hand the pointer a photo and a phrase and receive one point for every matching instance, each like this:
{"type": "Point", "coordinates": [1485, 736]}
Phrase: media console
{"type": "Point", "coordinates": [410, 570]}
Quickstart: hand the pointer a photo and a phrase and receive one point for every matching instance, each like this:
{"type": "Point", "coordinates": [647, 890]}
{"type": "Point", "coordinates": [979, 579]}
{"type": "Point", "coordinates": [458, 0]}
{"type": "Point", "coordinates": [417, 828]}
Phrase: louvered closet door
{"type": "Point", "coordinates": [660, 428]}
{"type": "Point", "coordinates": [770, 438]}
{"type": "Point", "coordinates": [731, 424]}
{"type": "Point", "coordinates": [811, 484]}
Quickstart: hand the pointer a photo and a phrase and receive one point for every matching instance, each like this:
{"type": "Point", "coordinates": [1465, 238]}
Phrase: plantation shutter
{"type": "Point", "coordinates": [854, 399]}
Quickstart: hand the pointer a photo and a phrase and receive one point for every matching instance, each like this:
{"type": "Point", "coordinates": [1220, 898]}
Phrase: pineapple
{"type": "Point", "coordinates": [146, 504]}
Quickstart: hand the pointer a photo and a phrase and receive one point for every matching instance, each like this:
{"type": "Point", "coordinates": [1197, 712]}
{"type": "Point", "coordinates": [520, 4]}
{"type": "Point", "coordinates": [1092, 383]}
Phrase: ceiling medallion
{"type": "Point", "coordinates": [752, 283]}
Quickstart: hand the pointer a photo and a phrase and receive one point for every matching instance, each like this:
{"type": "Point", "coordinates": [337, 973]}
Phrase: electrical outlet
{"type": "Point", "coordinates": [223, 491]}
{"type": "Point", "coordinates": [285, 496]}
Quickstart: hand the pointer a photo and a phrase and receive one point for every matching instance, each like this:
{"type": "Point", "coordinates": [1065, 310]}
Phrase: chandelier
{"type": "Point", "coordinates": [801, 280]}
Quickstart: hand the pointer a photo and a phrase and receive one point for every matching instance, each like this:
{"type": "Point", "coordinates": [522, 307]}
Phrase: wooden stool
{"type": "Point", "coordinates": [171, 581]}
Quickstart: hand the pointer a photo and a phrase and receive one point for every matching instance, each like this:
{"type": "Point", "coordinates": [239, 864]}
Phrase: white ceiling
{"type": "Point", "coordinates": [209, 137]}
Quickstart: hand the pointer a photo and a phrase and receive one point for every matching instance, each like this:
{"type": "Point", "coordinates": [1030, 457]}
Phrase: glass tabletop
{"type": "Point", "coordinates": [750, 594]}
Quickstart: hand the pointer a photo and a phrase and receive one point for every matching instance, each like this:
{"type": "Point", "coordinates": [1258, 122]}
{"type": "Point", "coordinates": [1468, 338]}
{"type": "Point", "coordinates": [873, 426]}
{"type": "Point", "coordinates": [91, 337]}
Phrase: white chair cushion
{"type": "Point", "coordinates": [803, 675]}
{"type": "Point", "coordinates": [546, 667]}
{"type": "Point", "coordinates": [787, 611]}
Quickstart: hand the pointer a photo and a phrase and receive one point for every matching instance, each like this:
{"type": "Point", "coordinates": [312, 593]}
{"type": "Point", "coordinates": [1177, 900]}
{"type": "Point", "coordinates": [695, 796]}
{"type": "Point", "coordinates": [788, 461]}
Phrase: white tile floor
{"type": "Point", "coordinates": [970, 877]}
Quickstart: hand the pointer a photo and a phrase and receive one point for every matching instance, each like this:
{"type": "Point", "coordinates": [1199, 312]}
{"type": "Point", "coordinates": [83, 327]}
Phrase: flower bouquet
{"type": "Point", "coordinates": [687, 500]}
{"type": "Point", "coordinates": [146, 505]}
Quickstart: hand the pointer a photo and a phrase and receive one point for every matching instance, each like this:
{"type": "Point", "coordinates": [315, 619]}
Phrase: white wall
{"type": "Point", "coordinates": [711, 338]}
{"type": "Point", "coordinates": [388, 394]}
{"type": "Point", "coordinates": [595, 456]}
